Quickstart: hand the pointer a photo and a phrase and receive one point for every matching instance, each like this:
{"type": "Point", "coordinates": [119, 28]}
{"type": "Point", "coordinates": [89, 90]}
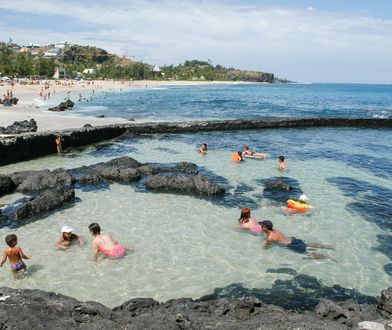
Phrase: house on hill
{"type": "Point", "coordinates": [157, 71]}
{"type": "Point", "coordinates": [89, 71]}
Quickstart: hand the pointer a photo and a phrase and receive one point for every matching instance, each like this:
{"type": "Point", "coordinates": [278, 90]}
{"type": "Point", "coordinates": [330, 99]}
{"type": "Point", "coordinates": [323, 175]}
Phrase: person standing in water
{"type": "Point", "coordinates": [282, 165]}
{"type": "Point", "coordinates": [203, 149]}
{"type": "Point", "coordinates": [292, 243]}
{"type": "Point", "coordinates": [59, 144]}
{"type": "Point", "coordinates": [105, 244]}
{"type": "Point", "coordinates": [14, 254]}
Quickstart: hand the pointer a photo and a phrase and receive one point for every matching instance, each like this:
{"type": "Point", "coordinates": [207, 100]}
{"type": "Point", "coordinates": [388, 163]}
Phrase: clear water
{"type": "Point", "coordinates": [242, 101]}
{"type": "Point", "coordinates": [187, 246]}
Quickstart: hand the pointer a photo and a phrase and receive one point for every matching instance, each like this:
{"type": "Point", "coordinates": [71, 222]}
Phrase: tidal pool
{"type": "Point", "coordinates": [188, 246]}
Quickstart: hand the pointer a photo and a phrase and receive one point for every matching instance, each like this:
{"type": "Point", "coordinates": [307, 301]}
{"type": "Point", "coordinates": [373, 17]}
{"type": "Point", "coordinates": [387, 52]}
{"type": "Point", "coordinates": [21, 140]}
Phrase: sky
{"type": "Point", "coordinates": [302, 40]}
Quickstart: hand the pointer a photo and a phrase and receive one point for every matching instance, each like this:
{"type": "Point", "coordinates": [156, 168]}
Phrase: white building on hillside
{"type": "Point", "coordinates": [61, 45]}
{"type": "Point", "coordinates": [89, 71]}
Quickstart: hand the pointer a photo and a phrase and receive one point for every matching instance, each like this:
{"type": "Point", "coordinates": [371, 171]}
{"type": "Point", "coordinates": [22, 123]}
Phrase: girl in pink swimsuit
{"type": "Point", "coordinates": [104, 243]}
{"type": "Point", "coordinates": [247, 222]}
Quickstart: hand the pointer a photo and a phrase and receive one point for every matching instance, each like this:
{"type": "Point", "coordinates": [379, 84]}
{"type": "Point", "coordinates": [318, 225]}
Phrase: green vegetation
{"type": "Point", "coordinates": [15, 64]}
{"type": "Point", "coordinates": [75, 59]}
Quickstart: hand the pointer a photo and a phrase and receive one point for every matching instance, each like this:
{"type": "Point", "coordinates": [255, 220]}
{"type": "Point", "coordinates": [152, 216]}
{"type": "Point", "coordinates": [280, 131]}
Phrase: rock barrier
{"type": "Point", "coordinates": [28, 146]}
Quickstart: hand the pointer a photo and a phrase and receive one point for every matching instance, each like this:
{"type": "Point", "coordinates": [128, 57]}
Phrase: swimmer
{"type": "Point", "coordinates": [292, 243]}
{"type": "Point", "coordinates": [247, 152]}
{"type": "Point", "coordinates": [247, 222]}
{"type": "Point", "coordinates": [301, 205]}
{"type": "Point", "coordinates": [203, 149]}
{"type": "Point", "coordinates": [105, 244]}
{"type": "Point", "coordinates": [67, 238]}
{"type": "Point", "coordinates": [282, 165]}
{"type": "Point", "coordinates": [237, 156]}
{"type": "Point", "coordinates": [14, 254]}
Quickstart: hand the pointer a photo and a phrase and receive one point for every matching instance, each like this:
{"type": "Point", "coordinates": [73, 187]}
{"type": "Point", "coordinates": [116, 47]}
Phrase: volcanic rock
{"type": "Point", "coordinates": [47, 200]}
{"type": "Point", "coordinates": [6, 184]}
{"type": "Point", "coordinates": [63, 106]}
{"type": "Point", "coordinates": [190, 184]}
{"type": "Point", "coordinates": [18, 127]}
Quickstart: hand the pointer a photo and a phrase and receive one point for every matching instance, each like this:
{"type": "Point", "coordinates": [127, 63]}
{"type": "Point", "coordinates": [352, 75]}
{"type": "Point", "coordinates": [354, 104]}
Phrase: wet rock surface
{"type": "Point", "coordinates": [63, 106]}
{"type": "Point", "coordinates": [6, 184]}
{"type": "Point", "coordinates": [49, 190]}
{"type": "Point", "coordinates": [35, 309]}
{"type": "Point", "coordinates": [18, 127]}
{"type": "Point", "coordinates": [45, 179]}
{"type": "Point", "coordinates": [47, 200]}
{"type": "Point", "coordinates": [191, 184]}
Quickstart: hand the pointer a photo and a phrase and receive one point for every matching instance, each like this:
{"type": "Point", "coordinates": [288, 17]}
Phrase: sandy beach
{"type": "Point", "coordinates": [33, 105]}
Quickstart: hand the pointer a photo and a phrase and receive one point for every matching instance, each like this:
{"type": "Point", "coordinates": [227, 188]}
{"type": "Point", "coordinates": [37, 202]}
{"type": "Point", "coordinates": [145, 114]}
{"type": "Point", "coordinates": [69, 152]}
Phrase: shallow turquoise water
{"type": "Point", "coordinates": [187, 246]}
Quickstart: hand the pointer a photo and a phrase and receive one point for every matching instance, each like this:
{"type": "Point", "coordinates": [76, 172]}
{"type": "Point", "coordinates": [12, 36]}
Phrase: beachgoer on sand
{"type": "Point", "coordinates": [14, 254]}
{"type": "Point", "coordinates": [105, 244]}
{"type": "Point", "coordinates": [67, 238]}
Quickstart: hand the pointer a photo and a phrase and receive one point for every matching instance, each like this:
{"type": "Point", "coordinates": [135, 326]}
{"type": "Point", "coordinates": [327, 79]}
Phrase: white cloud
{"type": "Point", "coordinates": [302, 44]}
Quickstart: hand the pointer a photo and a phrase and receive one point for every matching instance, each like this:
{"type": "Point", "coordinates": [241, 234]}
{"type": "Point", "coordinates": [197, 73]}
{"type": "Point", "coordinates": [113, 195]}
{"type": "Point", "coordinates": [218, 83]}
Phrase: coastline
{"type": "Point", "coordinates": [32, 105]}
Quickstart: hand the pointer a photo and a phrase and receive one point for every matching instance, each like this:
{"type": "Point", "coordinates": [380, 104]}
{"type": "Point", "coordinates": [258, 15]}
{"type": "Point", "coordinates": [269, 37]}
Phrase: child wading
{"type": "Point", "coordinates": [14, 254]}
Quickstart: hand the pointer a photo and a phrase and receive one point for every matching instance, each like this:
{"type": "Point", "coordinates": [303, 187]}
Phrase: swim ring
{"type": "Point", "coordinates": [301, 207]}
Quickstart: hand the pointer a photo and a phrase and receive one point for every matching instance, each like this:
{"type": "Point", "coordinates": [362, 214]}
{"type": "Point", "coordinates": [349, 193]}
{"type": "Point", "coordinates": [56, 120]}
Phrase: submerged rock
{"type": "Point", "coordinates": [47, 200]}
{"type": "Point", "coordinates": [18, 127]}
{"type": "Point", "coordinates": [281, 189]}
{"type": "Point", "coordinates": [183, 183]}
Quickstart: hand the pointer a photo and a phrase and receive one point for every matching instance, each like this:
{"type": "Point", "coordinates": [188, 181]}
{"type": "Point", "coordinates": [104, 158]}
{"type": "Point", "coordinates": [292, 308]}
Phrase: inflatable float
{"type": "Point", "coordinates": [300, 207]}
{"type": "Point", "coordinates": [254, 157]}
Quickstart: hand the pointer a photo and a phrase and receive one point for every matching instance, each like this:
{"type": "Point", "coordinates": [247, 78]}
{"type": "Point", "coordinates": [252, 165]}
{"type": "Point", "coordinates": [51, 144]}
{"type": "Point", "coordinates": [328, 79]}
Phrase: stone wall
{"type": "Point", "coordinates": [32, 145]}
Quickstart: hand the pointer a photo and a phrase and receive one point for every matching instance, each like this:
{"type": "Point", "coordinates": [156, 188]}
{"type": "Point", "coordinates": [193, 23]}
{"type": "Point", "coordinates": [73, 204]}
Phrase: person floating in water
{"type": "Point", "coordinates": [203, 149]}
{"type": "Point", "coordinates": [14, 254]}
{"type": "Point", "coordinates": [105, 244]}
{"type": "Point", "coordinates": [282, 165]}
{"type": "Point", "coordinates": [299, 206]}
{"type": "Point", "coordinates": [247, 222]}
{"type": "Point", "coordinates": [59, 144]}
{"type": "Point", "coordinates": [247, 152]}
{"type": "Point", "coordinates": [292, 243]}
{"type": "Point", "coordinates": [237, 156]}
{"type": "Point", "coordinates": [67, 238]}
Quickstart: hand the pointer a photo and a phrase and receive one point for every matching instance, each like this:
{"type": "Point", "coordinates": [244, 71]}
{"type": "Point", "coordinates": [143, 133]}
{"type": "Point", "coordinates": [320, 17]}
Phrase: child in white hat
{"type": "Point", "coordinates": [67, 238]}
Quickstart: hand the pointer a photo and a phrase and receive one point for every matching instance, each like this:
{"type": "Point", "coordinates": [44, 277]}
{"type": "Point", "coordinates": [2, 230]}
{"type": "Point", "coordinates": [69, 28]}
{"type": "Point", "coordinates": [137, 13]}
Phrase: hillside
{"type": "Point", "coordinates": [17, 61]}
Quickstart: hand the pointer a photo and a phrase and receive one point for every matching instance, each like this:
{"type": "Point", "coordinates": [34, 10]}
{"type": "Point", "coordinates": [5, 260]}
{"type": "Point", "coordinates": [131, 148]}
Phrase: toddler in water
{"type": "Point", "coordinates": [282, 165]}
{"type": "Point", "coordinates": [14, 254]}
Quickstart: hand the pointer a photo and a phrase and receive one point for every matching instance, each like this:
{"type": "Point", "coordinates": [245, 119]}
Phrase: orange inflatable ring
{"type": "Point", "coordinates": [301, 207]}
